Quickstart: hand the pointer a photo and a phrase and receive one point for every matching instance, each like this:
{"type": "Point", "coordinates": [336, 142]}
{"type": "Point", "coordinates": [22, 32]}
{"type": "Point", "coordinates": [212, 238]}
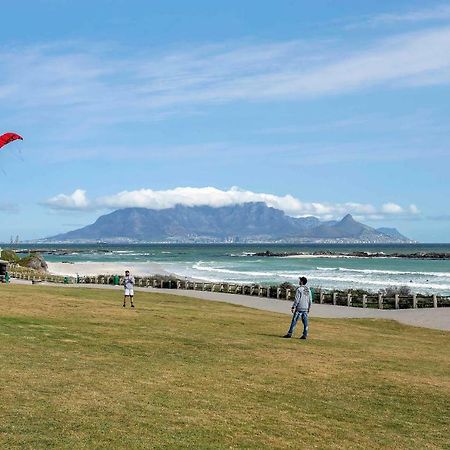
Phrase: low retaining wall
{"type": "Point", "coordinates": [322, 297]}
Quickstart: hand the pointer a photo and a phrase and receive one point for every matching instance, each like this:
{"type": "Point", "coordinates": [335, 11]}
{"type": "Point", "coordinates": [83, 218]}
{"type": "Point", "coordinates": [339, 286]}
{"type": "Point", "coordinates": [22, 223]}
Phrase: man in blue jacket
{"type": "Point", "coordinates": [301, 308]}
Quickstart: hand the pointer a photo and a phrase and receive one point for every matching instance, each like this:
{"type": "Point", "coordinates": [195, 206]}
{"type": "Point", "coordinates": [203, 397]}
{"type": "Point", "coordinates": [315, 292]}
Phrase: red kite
{"type": "Point", "coordinates": [9, 137]}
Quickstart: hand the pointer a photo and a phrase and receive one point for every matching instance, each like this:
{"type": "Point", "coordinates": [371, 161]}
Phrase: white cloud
{"type": "Point", "coordinates": [436, 13]}
{"type": "Point", "coordinates": [210, 196]}
{"type": "Point", "coordinates": [75, 201]}
{"type": "Point", "coordinates": [392, 208]}
{"type": "Point", "coordinates": [96, 83]}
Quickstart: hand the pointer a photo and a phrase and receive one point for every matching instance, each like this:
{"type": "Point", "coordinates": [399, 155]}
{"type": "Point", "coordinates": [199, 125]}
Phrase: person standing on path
{"type": "Point", "coordinates": [301, 308]}
{"type": "Point", "coordinates": [128, 283]}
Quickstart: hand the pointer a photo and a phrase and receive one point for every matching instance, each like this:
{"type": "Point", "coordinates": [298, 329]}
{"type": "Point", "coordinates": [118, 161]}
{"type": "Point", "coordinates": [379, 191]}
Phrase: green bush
{"type": "Point", "coordinates": [9, 255]}
{"type": "Point", "coordinates": [394, 290]}
{"type": "Point", "coordinates": [24, 262]}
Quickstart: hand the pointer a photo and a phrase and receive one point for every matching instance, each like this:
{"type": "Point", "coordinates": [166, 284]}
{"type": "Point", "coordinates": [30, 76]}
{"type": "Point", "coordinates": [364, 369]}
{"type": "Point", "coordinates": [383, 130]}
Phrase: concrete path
{"type": "Point", "coordinates": [437, 318]}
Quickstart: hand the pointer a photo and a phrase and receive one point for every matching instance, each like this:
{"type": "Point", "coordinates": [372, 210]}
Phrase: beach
{"type": "Point", "coordinates": [105, 268]}
{"type": "Point", "coordinates": [238, 264]}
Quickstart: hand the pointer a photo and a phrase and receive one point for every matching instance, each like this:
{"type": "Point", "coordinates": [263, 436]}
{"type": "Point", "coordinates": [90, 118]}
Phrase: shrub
{"type": "Point", "coordinates": [391, 291]}
{"type": "Point", "coordinates": [287, 285]}
{"type": "Point", "coordinates": [9, 255]}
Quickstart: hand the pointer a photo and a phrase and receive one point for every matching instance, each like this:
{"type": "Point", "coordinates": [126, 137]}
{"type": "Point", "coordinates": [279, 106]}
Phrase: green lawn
{"type": "Point", "coordinates": [78, 371]}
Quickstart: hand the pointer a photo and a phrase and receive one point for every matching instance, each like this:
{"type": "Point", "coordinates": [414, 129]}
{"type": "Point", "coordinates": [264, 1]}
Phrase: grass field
{"type": "Point", "coordinates": [79, 371]}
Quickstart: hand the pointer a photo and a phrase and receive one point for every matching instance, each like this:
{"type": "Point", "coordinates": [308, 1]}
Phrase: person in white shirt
{"type": "Point", "coordinates": [128, 283]}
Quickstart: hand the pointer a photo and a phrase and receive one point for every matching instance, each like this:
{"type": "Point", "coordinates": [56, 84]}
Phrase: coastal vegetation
{"type": "Point", "coordinates": [32, 261]}
{"type": "Point", "coordinates": [80, 371]}
{"type": "Point", "coordinates": [9, 255]}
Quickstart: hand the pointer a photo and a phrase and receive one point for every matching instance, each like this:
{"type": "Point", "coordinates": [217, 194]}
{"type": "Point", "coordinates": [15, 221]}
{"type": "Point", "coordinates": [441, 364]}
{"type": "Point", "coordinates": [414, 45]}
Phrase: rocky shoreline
{"type": "Point", "coordinates": [60, 252]}
{"type": "Point", "coordinates": [358, 254]}
{"type": "Point", "coordinates": [268, 253]}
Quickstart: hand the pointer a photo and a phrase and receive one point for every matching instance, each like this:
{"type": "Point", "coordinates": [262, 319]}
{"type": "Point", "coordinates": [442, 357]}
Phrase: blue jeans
{"type": "Point", "coordinates": [297, 315]}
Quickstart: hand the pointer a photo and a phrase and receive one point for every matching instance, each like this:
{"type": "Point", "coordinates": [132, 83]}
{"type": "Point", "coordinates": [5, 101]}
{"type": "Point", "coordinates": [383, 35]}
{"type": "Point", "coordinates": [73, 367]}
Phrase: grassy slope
{"type": "Point", "coordinates": [79, 371]}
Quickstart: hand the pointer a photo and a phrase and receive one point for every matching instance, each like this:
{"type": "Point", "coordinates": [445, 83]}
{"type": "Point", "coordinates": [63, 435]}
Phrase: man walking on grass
{"type": "Point", "coordinates": [128, 283]}
{"type": "Point", "coordinates": [300, 308]}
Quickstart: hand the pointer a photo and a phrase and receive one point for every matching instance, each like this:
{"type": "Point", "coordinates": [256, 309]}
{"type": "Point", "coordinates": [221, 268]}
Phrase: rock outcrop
{"type": "Point", "coordinates": [34, 261]}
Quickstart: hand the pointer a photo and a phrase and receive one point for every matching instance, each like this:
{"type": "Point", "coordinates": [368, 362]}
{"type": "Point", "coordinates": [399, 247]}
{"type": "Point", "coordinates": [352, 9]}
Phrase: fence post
{"type": "Point", "coordinates": [334, 298]}
{"type": "Point", "coordinates": [434, 301]}
{"type": "Point", "coordinates": [278, 293]}
{"type": "Point", "coordinates": [288, 294]}
{"type": "Point", "coordinates": [260, 292]}
{"type": "Point", "coordinates": [364, 300]}
{"type": "Point", "coordinates": [380, 301]}
{"type": "Point", "coordinates": [397, 303]}
{"type": "Point", "coordinates": [268, 291]}
{"type": "Point", "coordinates": [349, 299]}
{"type": "Point", "coordinates": [414, 301]}
{"type": "Point", "coordinates": [203, 286]}
{"type": "Point", "coordinates": [213, 287]}
{"type": "Point", "coordinates": [252, 288]}
{"type": "Point", "coordinates": [178, 284]}
{"type": "Point", "coordinates": [321, 295]}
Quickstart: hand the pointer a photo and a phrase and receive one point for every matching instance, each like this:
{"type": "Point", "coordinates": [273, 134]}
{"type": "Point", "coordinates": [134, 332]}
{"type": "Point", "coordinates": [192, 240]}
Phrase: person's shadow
{"type": "Point", "coordinates": [269, 335]}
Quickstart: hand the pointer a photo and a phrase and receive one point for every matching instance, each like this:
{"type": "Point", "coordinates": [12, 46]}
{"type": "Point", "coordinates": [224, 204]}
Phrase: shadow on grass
{"type": "Point", "coordinates": [273, 335]}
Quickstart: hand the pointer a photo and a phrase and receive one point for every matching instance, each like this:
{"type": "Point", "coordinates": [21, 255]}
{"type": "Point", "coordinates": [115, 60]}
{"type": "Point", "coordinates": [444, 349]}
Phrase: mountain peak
{"type": "Point", "coordinates": [249, 222]}
{"type": "Point", "coordinates": [347, 218]}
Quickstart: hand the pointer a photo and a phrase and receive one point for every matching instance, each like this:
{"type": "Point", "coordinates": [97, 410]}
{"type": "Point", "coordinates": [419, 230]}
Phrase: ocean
{"type": "Point", "coordinates": [237, 263]}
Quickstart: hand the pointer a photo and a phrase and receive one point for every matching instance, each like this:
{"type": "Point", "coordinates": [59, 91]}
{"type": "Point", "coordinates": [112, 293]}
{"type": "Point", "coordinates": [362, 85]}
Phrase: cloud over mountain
{"type": "Point", "coordinates": [211, 196]}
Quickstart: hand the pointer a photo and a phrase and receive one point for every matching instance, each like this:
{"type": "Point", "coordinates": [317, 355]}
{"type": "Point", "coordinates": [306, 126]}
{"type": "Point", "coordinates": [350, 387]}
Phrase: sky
{"type": "Point", "coordinates": [317, 108]}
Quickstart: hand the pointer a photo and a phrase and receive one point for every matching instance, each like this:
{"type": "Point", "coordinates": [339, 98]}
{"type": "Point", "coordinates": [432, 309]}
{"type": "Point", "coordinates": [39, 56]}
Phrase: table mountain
{"type": "Point", "coordinates": [245, 222]}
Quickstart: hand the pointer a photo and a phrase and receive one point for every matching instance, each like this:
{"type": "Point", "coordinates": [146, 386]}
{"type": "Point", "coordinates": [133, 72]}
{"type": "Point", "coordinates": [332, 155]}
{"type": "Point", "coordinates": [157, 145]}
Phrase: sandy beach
{"type": "Point", "coordinates": [105, 268]}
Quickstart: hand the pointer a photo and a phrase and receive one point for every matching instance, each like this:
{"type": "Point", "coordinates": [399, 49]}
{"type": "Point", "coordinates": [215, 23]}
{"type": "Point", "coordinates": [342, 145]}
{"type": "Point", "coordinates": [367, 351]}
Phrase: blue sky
{"type": "Point", "coordinates": [318, 108]}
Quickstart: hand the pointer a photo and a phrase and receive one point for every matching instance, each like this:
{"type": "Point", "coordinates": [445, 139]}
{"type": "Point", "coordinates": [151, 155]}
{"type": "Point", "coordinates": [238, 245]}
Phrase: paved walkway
{"type": "Point", "coordinates": [437, 318]}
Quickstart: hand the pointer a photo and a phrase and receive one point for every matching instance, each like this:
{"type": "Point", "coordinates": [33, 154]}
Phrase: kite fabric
{"type": "Point", "coordinates": [9, 137]}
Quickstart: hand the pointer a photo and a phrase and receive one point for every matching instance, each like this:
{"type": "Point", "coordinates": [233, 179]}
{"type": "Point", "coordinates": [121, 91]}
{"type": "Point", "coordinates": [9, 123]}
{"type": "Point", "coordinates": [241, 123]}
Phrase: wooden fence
{"type": "Point", "coordinates": [279, 292]}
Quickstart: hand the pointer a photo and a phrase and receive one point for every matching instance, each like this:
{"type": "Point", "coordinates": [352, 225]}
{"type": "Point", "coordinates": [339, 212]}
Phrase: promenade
{"type": "Point", "coordinates": [436, 318]}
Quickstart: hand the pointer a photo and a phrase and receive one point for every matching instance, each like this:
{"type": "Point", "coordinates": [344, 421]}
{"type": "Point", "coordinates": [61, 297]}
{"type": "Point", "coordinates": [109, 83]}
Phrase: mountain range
{"type": "Point", "coordinates": [249, 222]}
